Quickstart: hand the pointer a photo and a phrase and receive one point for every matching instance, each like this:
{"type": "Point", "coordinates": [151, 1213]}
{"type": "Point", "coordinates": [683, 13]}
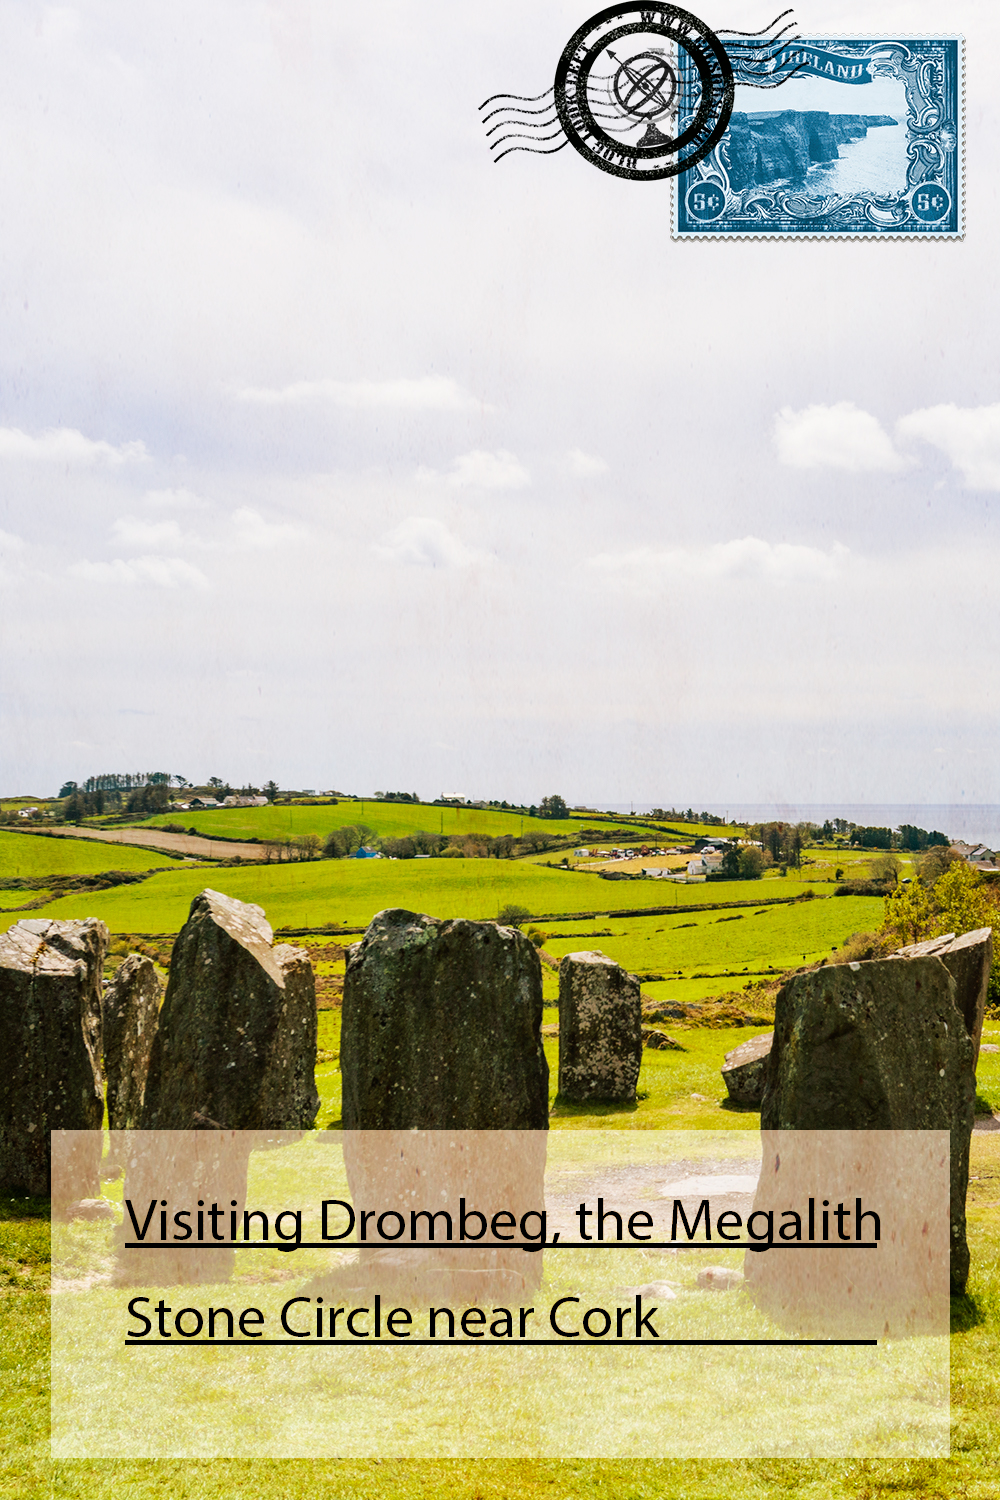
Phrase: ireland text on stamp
{"type": "Point", "coordinates": [868, 143]}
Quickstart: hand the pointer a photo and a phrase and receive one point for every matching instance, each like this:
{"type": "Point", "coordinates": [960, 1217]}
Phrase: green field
{"type": "Point", "coordinates": [760, 938]}
{"type": "Point", "coordinates": [399, 819]}
{"type": "Point", "coordinates": [349, 892]}
{"type": "Point", "coordinates": [29, 855]}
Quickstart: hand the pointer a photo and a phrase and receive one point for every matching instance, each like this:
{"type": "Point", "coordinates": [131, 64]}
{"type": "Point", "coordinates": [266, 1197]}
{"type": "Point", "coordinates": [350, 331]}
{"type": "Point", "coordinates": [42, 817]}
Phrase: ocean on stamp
{"type": "Point", "coordinates": [867, 143]}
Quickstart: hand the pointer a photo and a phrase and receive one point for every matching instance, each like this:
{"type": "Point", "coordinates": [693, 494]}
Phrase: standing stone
{"type": "Point", "coordinates": [236, 1041]}
{"type": "Point", "coordinates": [442, 1028]}
{"type": "Point", "coordinates": [745, 1069]}
{"type": "Point", "coordinates": [445, 1098]}
{"type": "Point", "coordinates": [50, 1022]}
{"type": "Point", "coordinates": [968, 960]}
{"type": "Point", "coordinates": [131, 1009]}
{"type": "Point", "coordinates": [877, 1046]}
{"type": "Point", "coordinates": [600, 1030]}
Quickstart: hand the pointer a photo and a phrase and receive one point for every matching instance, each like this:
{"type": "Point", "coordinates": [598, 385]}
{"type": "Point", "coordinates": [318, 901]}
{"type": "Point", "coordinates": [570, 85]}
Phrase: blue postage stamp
{"type": "Point", "coordinates": [866, 142]}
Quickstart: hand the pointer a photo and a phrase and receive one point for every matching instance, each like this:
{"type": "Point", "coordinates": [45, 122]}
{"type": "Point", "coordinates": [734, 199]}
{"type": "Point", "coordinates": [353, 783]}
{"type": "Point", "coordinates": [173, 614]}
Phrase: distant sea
{"type": "Point", "coordinates": [976, 823]}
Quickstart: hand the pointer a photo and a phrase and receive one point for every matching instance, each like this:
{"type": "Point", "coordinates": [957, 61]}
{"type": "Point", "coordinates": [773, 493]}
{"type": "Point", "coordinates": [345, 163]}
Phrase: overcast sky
{"type": "Point", "coordinates": [331, 451]}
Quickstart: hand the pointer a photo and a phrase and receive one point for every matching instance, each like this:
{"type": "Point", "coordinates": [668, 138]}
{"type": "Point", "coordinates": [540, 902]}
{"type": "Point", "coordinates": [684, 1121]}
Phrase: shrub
{"type": "Point", "coordinates": [512, 915]}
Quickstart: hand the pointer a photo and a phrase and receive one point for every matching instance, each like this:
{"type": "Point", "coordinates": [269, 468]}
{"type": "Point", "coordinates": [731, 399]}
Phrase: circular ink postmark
{"type": "Point", "coordinates": [644, 91]}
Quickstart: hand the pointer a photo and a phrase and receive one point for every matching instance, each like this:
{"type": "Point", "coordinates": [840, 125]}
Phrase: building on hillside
{"type": "Point", "coordinates": [201, 803]}
{"type": "Point", "coordinates": [240, 801]}
{"type": "Point", "coordinates": [364, 853]}
{"type": "Point", "coordinates": [976, 855]}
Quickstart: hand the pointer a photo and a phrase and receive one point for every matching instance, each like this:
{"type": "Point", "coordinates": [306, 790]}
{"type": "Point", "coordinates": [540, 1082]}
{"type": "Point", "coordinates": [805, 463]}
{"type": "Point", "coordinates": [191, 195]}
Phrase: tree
{"type": "Point", "coordinates": [342, 842]}
{"type": "Point", "coordinates": [399, 848]}
{"type": "Point", "coordinates": [909, 915]}
{"type": "Point", "coordinates": [67, 789]}
{"type": "Point", "coordinates": [962, 901]}
{"type": "Point", "coordinates": [934, 863]}
{"type": "Point", "coordinates": [512, 915]}
{"type": "Point", "coordinates": [270, 790]}
{"type": "Point", "coordinates": [553, 807]}
{"type": "Point", "coordinates": [885, 869]}
{"type": "Point", "coordinates": [751, 864]}
{"type": "Point", "coordinates": [731, 862]}
{"type": "Point", "coordinates": [214, 781]}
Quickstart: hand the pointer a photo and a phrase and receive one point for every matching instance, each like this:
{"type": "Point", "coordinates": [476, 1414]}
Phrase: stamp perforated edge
{"type": "Point", "coordinates": [894, 236]}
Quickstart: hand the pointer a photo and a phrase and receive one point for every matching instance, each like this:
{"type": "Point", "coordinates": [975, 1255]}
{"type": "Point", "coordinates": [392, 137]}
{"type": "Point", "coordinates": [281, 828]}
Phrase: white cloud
{"type": "Point", "coordinates": [422, 541]}
{"type": "Point", "coordinates": [252, 530]}
{"type": "Point", "coordinates": [744, 558]}
{"type": "Point", "coordinates": [489, 471]}
{"type": "Point", "coordinates": [163, 572]}
{"type": "Point", "coordinates": [174, 500]}
{"type": "Point", "coordinates": [67, 446]}
{"type": "Point", "coordinates": [428, 393]}
{"type": "Point", "coordinates": [969, 436]}
{"type": "Point", "coordinates": [11, 543]}
{"type": "Point", "coordinates": [835, 437]}
{"type": "Point", "coordinates": [130, 531]}
{"type": "Point", "coordinates": [585, 465]}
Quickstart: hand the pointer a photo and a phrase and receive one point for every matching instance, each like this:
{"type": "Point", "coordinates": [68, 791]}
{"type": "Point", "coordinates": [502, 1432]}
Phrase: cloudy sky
{"type": "Point", "coordinates": [331, 451]}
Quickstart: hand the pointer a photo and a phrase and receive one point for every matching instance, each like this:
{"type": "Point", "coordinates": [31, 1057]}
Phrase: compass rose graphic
{"type": "Point", "coordinates": [645, 87]}
{"type": "Point", "coordinates": [644, 91]}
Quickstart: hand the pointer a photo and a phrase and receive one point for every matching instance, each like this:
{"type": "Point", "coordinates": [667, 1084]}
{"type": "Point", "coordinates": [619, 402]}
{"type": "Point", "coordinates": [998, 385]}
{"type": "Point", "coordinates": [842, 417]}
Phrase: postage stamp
{"type": "Point", "coordinates": [867, 144]}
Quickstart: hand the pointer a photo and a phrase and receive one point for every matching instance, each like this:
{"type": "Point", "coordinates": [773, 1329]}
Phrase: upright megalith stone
{"type": "Point", "coordinates": [600, 1030]}
{"type": "Point", "coordinates": [50, 1022]}
{"type": "Point", "coordinates": [131, 1010]}
{"type": "Point", "coordinates": [968, 959]}
{"type": "Point", "coordinates": [877, 1046]}
{"type": "Point", "coordinates": [442, 1028]}
{"type": "Point", "coordinates": [236, 1040]}
{"type": "Point", "coordinates": [445, 1099]}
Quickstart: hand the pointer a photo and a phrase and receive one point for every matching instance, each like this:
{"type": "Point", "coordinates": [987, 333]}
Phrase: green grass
{"type": "Point", "coordinates": [754, 939]}
{"type": "Point", "coordinates": [29, 855]}
{"type": "Point", "coordinates": [971, 1472]}
{"type": "Point", "coordinates": [350, 892]}
{"type": "Point", "coordinates": [389, 820]}
{"type": "Point", "coordinates": [398, 819]}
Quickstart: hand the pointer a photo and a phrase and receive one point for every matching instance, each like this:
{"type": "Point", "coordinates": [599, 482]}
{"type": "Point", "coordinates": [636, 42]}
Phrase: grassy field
{"type": "Point", "coordinates": [677, 1089]}
{"type": "Point", "coordinates": [29, 855]}
{"type": "Point", "coordinates": [349, 892]}
{"type": "Point", "coordinates": [398, 819]}
{"type": "Point", "coordinates": [708, 943]}
{"type": "Point", "coordinates": [971, 1471]}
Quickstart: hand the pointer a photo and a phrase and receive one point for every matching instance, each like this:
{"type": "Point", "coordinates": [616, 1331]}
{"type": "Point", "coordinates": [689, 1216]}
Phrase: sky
{"type": "Point", "coordinates": [332, 452]}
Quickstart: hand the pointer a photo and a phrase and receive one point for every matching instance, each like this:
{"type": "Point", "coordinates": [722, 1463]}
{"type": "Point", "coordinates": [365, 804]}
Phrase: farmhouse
{"type": "Point", "coordinates": [976, 855]}
{"type": "Point", "coordinates": [235, 801]}
{"type": "Point", "coordinates": [203, 802]}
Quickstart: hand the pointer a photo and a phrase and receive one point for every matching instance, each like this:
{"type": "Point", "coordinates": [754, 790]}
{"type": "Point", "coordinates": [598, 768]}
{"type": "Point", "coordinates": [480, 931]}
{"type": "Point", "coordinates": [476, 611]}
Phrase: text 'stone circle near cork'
{"type": "Point", "coordinates": [644, 91]}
